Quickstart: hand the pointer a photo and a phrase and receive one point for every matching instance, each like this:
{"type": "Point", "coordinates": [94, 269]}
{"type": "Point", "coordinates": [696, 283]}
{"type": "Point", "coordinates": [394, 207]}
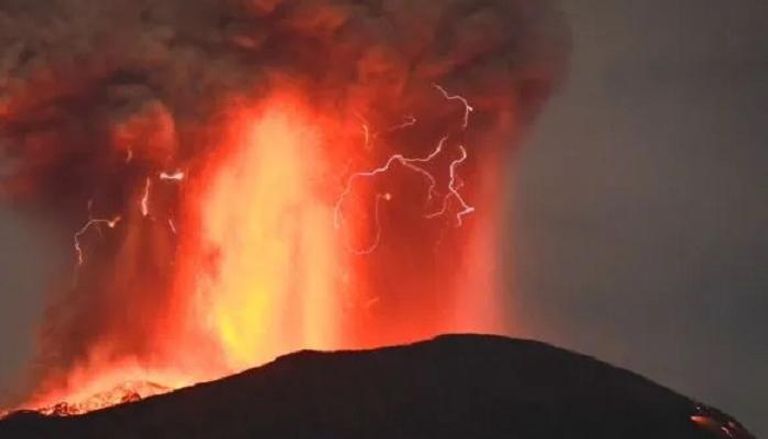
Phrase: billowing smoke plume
{"type": "Point", "coordinates": [242, 178]}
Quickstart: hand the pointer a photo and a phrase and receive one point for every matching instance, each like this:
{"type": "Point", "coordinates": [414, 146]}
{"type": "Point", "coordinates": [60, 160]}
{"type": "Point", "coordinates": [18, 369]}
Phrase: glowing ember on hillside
{"type": "Point", "coordinates": [123, 393]}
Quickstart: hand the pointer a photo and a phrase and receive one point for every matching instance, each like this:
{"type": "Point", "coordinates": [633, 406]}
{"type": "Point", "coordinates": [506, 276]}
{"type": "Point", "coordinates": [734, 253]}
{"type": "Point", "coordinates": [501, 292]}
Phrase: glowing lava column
{"type": "Point", "coordinates": [263, 264]}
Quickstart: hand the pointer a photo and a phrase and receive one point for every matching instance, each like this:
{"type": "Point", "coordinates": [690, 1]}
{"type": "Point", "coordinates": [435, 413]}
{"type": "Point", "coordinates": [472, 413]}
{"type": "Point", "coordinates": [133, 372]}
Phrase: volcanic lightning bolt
{"type": "Point", "coordinates": [410, 163]}
{"type": "Point", "coordinates": [454, 191]}
{"type": "Point", "coordinates": [408, 122]}
{"type": "Point", "coordinates": [144, 204]}
{"type": "Point", "coordinates": [92, 222]}
{"type": "Point", "coordinates": [415, 164]}
{"type": "Point", "coordinates": [377, 220]}
{"type": "Point", "coordinates": [468, 109]}
{"type": "Point", "coordinates": [173, 176]}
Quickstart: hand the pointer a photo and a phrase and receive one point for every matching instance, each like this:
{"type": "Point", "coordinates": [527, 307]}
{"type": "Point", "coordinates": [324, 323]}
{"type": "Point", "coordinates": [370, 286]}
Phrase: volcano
{"type": "Point", "coordinates": [463, 386]}
{"type": "Point", "coordinates": [237, 180]}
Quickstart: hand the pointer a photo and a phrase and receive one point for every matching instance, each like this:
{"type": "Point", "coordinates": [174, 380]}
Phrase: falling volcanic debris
{"type": "Point", "coordinates": [246, 178]}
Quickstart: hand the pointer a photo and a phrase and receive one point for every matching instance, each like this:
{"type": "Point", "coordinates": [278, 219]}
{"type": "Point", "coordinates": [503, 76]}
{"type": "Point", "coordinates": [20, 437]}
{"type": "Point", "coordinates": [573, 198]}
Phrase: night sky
{"type": "Point", "coordinates": [641, 204]}
{"type": "Point", "coordinates": [639, 208]}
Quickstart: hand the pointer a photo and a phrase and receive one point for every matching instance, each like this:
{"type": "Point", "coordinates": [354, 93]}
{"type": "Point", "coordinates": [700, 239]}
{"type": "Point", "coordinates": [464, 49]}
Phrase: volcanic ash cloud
{"type": "Point", "coordinates": [239, 179]}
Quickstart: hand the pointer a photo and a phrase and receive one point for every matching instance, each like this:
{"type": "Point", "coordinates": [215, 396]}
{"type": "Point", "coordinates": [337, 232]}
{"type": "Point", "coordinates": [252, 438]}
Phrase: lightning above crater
{"type": "Point", "coordinates": [214, 135]}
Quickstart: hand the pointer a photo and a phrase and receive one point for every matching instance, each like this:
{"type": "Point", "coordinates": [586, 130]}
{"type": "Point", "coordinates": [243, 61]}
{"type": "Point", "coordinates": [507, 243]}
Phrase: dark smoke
{"type": "Point", "coordinates": [95, 95]}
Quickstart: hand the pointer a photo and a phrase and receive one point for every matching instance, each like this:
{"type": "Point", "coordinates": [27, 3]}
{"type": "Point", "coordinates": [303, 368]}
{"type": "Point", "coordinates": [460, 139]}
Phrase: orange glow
{"type": "Point", "coordinates": [239, 180]}
{"type": "Point", "coordinates": [267, 258]}
{"type": "Point", "coordinates": [272, 290]}
{"type": "Point", "coordinates": [96, 387]}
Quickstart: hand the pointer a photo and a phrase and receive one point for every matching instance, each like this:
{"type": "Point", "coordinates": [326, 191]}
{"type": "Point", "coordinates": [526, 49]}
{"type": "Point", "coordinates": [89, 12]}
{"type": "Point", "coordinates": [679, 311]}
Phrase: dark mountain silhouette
{"type": "Point", "coordinates": [457, 386]}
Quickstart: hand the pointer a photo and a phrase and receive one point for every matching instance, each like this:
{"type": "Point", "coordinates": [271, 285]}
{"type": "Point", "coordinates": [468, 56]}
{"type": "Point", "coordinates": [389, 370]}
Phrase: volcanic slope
{"type": "Point", "coordinates": [462, 386]}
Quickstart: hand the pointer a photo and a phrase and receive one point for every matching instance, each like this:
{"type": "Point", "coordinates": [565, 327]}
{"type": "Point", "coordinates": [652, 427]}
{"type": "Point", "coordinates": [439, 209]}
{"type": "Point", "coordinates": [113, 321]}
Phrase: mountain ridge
{"type": "Point", "coordinates": [456, 385]}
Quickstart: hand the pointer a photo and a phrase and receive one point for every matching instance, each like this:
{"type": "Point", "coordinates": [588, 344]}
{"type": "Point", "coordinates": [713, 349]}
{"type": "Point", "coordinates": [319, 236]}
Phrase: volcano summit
{"type": "Point", "coordinates": [462, 386]}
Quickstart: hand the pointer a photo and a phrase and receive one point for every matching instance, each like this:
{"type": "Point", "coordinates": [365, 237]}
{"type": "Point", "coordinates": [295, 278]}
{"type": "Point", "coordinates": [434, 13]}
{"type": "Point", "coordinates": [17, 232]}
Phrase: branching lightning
{"type": "Point", "coordinates": [468, 109]}
{"type": "Point", "coordinates": [410, 163]}
{"type": "Point", "coordinates": [377, 219]}
{"type": "Point", "coordinates": [417, 165]}
{"type": "Point", "coordinates": [92, 222]}
{"type": "Point", "coordinates": [453, 188]}
{"type": "Point", "coordinates": [176, 176]}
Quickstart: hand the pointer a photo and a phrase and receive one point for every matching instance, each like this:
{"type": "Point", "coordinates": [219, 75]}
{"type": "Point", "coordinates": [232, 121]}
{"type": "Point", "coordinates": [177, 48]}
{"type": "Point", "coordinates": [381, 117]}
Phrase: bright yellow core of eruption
{"type": "Point", "coordinates": [271, 238]}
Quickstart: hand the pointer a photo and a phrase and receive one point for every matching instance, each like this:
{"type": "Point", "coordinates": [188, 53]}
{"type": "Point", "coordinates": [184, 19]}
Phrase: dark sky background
{"type": "Point", "coordinates": [642, 202]}
{"type": "Point", "coordinates": [640, 206]}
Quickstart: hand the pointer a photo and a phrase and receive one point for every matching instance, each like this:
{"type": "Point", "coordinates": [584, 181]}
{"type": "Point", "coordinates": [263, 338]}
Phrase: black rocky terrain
{"type": "Point", "coordinates": [457, 386]}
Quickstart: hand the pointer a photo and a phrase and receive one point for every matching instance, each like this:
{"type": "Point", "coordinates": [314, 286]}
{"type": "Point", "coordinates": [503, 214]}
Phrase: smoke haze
{"type": "Point", "coordinates": [640, 210]}
{"type": "Point", "coordinates": [200, 154]}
